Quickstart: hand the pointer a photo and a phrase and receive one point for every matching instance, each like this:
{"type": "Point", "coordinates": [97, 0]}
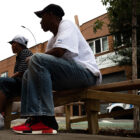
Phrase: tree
{"type": "Point", "coordinates": [124, 19]}
{"type": "Point", "coordinates": [120, 16]}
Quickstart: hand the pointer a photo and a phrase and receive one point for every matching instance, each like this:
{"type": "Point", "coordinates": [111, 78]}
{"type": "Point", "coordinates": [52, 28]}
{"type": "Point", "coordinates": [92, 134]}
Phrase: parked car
{"type": "Point", "coordinates": [120, 106]}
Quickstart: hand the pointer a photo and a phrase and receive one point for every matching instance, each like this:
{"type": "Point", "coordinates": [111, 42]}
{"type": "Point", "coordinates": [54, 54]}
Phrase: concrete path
{"type": "Point", "coordinates": [9, 135]}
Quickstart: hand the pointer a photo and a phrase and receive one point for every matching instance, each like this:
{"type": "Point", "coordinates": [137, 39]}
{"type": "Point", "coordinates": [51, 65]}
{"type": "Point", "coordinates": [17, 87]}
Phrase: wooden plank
{"type": "Point", "coordinates": [67, 110]}
{"type": "Point", "coordinates": [92, 116]}
{"type": "Point", "coordinates": [14, 99]}
{"type": "Point", "coordinates": [78, 119]}
{"type": "Point", "coordinates": [66, 97]}
{"type": "Point", "coordinates": [105, 115]}
{"type": "Point", "coordinates": [7, 115]}
{"type": "Point", "coordinates": [119, 86]}
{"type": "Point", "coordinates": [114, 97]}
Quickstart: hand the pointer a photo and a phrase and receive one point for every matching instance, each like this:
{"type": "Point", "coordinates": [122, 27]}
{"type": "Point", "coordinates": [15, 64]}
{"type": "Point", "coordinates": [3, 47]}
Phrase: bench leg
{"type": "Point", "coordinates": [92, 108]}
{"type": "Point", "coordinates": [7, 115]}
{"type": "Point", "coordinates": [67, 111]}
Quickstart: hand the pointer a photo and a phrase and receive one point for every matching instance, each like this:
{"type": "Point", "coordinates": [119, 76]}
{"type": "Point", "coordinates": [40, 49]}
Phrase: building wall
{"type": "Point", "coordinates": [87, 28]}
{"type": "Point", "coordinates": [7, 65]}
{"type": "Point", "coordinates": [87, 31]}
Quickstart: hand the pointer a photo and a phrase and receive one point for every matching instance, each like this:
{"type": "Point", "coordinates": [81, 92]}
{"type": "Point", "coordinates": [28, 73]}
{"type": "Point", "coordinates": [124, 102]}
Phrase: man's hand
{"type": "Point", "coordinates": [17, 74]}
{"type": "Point", "coordinates": [58, 52]}
{"type": "Point", "coordinates": [27, 59]}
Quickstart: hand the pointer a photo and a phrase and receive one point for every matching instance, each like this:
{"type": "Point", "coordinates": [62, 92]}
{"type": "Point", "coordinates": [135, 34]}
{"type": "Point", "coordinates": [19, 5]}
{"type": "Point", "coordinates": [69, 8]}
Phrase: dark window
{"type": "Point", "coordinates": [98, 46]}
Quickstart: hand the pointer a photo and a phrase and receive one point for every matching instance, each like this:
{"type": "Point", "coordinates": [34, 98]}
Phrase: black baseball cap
{"type": "Point", "coordinates": [55, 9]}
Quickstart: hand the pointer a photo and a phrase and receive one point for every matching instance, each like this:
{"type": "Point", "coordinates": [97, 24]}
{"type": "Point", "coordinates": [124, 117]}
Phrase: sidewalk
{"type": "Point", "coordinates": [62, 135]}
{"type": "Point", "coordinates": [9, 135]}
{"type": "Point", "coordinates": [103, 124]}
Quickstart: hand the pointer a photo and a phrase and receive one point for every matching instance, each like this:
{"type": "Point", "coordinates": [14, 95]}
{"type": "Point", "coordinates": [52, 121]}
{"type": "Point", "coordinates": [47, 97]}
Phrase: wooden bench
{"type": "Point", "coordinates": [92, 98]}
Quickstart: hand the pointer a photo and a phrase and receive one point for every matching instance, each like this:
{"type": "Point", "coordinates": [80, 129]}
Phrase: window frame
{"type": "Point", "coordinates": [101, 45]}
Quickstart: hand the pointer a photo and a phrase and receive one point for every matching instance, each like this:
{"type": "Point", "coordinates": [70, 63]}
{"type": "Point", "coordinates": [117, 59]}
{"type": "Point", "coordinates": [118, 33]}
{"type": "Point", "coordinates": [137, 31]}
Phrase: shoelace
{"type": "Point", "coordinates": [30, 121]}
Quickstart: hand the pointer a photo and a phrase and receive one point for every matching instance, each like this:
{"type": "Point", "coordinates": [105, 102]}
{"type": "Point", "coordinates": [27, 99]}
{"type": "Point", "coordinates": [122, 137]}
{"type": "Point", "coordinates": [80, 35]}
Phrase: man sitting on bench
{"type": "Point", "coordinates": [68, 63]}
{"type": "Point", "coordinates": [11, 86]}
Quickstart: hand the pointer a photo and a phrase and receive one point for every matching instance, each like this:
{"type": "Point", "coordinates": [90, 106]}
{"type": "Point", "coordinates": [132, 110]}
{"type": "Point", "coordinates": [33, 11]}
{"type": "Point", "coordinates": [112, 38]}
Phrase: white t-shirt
{"type": "Point", "coordinates": [70, 38]}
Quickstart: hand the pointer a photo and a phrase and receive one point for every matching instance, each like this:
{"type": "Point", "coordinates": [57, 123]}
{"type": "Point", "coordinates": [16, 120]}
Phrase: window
{"type": "Point", "coordinates": [99, 45]}
{"type": "Point", "coordinates": [121, 40]}
{"type": "Point", "coordinates": [104, 44]}
{"type": "Point", "coordinates": [4, 74]}
{"type": "Point", "coordinates": [118, 39]}
{"type": "Point", "coordinates": [91, 44]}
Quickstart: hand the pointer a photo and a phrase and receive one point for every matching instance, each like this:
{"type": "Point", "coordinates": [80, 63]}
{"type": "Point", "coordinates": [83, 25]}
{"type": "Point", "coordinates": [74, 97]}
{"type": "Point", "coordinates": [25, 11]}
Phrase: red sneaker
{"type": "Point", "coordinates": [27, 123]}
{"type": "Point", "coordinates": [37, 128]}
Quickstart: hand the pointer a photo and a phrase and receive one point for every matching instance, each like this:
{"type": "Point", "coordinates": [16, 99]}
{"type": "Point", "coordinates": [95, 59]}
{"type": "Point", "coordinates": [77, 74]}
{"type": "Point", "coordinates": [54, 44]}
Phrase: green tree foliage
{"type": "Point", "coordinates": [120, 16]}
{"type": "Point", "coordinates": [97, 25]}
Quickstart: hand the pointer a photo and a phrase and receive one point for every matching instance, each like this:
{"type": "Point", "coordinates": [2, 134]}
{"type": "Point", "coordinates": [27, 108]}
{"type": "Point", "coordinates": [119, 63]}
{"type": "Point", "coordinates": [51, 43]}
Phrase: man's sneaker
{"type": "Point", "coordinates": [36, 128]}
{"type": "Point", "coordinates": [29, 121]}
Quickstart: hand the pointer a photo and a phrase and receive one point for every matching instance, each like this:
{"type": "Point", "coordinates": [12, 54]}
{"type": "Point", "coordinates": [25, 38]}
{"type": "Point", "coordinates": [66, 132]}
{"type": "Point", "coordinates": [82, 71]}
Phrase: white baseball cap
{"type": "Point", "coordinates": [19, 39]}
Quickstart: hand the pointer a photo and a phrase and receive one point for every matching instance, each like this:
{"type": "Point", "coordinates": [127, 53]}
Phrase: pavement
{"type": "Point", "coordinates": [103, 124]}
{"type": "Point", "coordinates": [9, 135]}
{"type": "Point", "coordinates": [64, 135]}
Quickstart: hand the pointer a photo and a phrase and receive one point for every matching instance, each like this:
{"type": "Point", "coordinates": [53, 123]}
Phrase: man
{"type": "Point", "coordinates": [11, 86]}
{"type": "Point", "coordinates": [67, 64]}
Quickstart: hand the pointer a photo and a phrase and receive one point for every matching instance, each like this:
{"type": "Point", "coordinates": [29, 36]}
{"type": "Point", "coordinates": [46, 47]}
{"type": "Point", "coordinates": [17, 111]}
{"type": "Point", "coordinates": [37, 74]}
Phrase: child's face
{"type": "Point", "coordinates": [16, 48]}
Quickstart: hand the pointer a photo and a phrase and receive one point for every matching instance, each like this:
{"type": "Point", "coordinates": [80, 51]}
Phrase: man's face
{"type": "Point", "coordinates": [16, 48]}
{"type": "Point", "coordinates": [46, 22]}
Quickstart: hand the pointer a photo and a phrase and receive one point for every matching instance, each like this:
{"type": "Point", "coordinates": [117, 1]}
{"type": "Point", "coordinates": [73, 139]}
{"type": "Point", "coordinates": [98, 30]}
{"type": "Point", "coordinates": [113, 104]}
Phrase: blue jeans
{"type": "Point", "coordinates": [46, 73]}
{"type": "Point", "coordinates": [11, 87]}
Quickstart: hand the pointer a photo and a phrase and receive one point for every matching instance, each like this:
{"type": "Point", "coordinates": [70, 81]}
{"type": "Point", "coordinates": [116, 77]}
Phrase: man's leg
{"type": "Point", "coordinates": [2, 101]}
{"type": "Point", "coordinates": [45, 73]}
{"type": "Point", "coordinates": [9, 87]}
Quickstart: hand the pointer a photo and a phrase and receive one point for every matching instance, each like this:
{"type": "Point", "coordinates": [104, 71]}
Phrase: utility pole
{"type": "Point", "coordinates": [77, 21]}
{"type": "Point", "coordinates": [32, 35]}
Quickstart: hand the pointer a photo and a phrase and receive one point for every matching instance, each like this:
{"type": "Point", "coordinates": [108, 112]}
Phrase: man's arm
{"type": "Point", "coordinates": [58, 52]}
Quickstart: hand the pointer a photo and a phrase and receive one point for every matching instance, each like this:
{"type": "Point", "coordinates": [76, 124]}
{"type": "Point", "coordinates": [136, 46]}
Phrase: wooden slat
{"type": "Point", "coordinates": [114, 97]}
{"type": "Point", "coordinates": [70, 96]}
{"type": "Point", "coordinates": [78, 119]}
{"type": "Point", "coordinates": [105, 115]}
{"type": "Point", "coordinates": [119, 86]}
{"type": "Point", "coordinates": [92, 108]}
{"type": "Point", "coordinates": [14, 99]}
{"type": "Point", "coordinates": [67, 110]}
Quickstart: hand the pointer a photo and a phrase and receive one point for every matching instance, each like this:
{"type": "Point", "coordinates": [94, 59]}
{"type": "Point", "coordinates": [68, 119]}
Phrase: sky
{"type": "Point", "coordinates": [17, 13]}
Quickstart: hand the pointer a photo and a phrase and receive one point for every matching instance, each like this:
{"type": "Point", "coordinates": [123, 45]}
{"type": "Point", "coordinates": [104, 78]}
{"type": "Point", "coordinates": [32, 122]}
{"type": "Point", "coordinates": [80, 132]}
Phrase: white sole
{"type": "Point", "coordinates": [35, 132]}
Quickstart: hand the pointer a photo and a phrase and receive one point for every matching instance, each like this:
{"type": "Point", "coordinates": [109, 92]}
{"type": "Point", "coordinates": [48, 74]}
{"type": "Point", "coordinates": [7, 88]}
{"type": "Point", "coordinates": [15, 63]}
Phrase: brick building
{"type": "Point", "coordinates": [100, 42]}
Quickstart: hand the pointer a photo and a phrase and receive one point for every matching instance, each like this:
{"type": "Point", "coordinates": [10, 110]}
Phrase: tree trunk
{"type": "Point", "coordinates": [134, 62]}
